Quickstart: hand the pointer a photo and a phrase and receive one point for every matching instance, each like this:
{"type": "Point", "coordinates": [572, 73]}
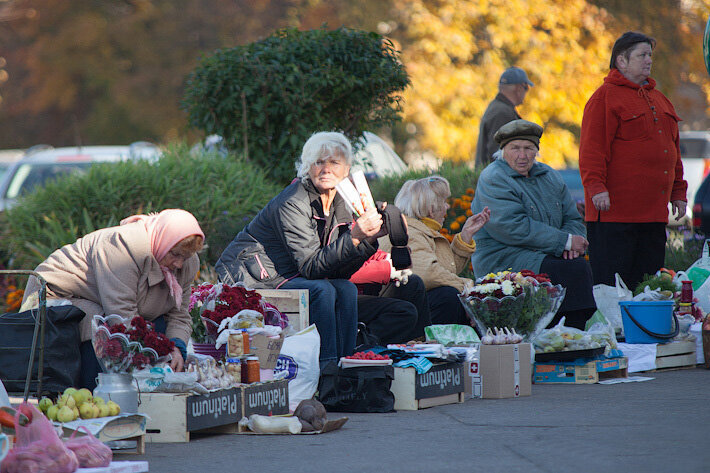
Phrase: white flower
{"type": "Point", "coordinates": [508, 288]}
{"type": "Point", "coordinates": [487, 288]}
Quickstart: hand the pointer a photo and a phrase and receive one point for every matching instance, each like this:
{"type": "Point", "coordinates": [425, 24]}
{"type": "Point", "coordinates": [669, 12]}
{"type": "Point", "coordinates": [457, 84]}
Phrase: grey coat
{"type": "Point", "coordinates": [499, 112]}
{"type": "Point", "coordinates": [531, 217]}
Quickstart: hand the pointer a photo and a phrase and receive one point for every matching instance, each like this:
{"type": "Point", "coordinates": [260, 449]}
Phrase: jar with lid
{"type": "Point", "coordinates": [234, 368]}
{"type": "Point", "coordinates": [685, 306]}
{"type": "Point", "coordinates": [253, 369]}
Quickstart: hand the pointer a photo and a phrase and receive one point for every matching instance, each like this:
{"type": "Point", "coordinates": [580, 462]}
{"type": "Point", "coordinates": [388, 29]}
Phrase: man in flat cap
{"type": "Point", "coordinates": [629, 159]}
{"type": "Point", "coordinates": [512, 87]}
{"type": "Point", "coordinates": [534, 221]}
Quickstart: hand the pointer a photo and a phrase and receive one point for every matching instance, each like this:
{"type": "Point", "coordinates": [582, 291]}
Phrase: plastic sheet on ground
{"type": "Point", "coordinates": [119, 467]}
{"type": "Point", "coordinates": [642, 356]}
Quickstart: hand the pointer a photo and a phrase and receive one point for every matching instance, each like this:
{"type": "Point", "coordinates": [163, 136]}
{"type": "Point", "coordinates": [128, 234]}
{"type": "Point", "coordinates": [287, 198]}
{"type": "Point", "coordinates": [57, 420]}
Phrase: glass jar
{"type": "Point", "coordinates": [253, 370]}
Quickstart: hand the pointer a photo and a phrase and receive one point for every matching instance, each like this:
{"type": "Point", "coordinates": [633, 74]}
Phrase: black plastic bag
{"type": "Point", "coordinates": [361, 389]}
{"type": "Point", "coordinates": [62, 360]}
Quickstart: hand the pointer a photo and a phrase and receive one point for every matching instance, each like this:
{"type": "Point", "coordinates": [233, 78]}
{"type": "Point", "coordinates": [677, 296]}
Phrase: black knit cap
{"type": "Point", "coordinates": [518, 130]}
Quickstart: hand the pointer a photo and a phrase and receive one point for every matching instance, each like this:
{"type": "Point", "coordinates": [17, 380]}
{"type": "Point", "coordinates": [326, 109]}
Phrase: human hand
{"type": "Point", "coordinates": [679, 208]}
{"type": "Point", "coordinates": [177, 363]}
{"type": "Point", "coordinates": [569, 254]}
{"type": "Point", "coordinates": [601, 201]}
{"type": "Point", "coordinates": [578, 247]}
{"type": "Point", "coordinates": [475, 223]}
{"type": "Point", "coordinates": [367, 227]}
{"type": "Point", "coordinates": [400, 277]}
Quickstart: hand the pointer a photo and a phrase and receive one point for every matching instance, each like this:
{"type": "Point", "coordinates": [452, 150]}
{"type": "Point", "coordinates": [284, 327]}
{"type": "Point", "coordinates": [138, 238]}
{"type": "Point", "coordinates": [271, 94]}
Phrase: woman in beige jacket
{"type": "Point", "coordinates": [145, 266]}
{"type": "Point", "coordinates": [434, 259]}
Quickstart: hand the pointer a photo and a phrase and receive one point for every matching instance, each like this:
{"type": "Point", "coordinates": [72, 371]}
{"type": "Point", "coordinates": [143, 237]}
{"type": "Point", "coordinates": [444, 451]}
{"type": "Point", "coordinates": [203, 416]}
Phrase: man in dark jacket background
{"type": "Point", "coordinates": [512, 87]}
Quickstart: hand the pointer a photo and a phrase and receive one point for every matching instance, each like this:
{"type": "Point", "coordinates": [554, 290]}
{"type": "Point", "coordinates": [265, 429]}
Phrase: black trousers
{"type": "Point", "coordinates": [630, 249]}
{"type": "Point", "coordinates": [397, 314]}
{"type": "Point", "coordinates": [575, 275]}
{"type": "Point", "coordinates": [445, 306]}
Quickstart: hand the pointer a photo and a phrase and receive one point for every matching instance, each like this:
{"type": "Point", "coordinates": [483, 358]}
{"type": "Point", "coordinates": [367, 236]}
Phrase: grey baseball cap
{"type": "Point", "coordinates": [515, 75]}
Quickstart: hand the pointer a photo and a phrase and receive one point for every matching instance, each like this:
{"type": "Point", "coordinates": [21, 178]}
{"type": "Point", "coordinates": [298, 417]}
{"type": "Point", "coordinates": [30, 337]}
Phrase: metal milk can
{"type": "Point", "coordinates": [119, 388]}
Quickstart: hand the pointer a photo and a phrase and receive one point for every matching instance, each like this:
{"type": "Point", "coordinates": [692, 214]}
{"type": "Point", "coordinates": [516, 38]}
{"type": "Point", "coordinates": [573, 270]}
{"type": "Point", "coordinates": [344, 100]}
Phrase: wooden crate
{"type": "Point", "coordinates": [292, 302]}
{"type": "Point", "coordinates": [675, 355]}
{"type": "Point", "coordinates": [173, 416]}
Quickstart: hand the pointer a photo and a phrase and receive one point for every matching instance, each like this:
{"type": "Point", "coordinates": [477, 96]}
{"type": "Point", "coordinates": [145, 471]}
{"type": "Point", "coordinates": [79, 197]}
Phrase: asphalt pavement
{"type": "Point", "coordinates": [653, 426]}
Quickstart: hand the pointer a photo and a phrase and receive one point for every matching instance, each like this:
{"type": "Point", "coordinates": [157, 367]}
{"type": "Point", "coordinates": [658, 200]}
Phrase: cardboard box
{"type": "Point", "coordinates": [580, 372]}
{"type": "Point", "coordinates": [505, 371]}
{"type": "Point", "coordinates": [267, 349]}
{"type": "Point", "coordinates": [473, 382]}
{"type": "Point", "coordinates": [442, 384]}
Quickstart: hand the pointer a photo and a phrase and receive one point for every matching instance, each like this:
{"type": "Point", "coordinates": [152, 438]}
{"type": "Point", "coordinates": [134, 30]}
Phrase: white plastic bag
{"type": "Point", "coordinates": [608, 298]}
{"type": "Point", "coordinates": [298, 363]}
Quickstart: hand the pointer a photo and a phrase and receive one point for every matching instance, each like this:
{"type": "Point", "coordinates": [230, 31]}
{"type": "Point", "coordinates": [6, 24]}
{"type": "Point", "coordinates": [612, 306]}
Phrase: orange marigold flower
{"type": "Point", "coordinates": [469, 212]}
{"type": "Point", "coordinates": [461, 218]}
{"type": "Point", "coordinates": [466, 198]}
{"type": "Point", "coordinates": [455, 225]}
{"type": "Point", "coordinates": [470, 191]}
{"type": "Point", "coordinates": [444, 231]}
{"type": "Point", "coordinates": [457, 202]}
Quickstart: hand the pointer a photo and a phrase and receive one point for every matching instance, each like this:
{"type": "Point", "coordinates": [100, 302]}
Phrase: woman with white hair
{"type": "Point", "coordinates": [434, 259]}
{"type": "Point", "coordinates": [305, 238]}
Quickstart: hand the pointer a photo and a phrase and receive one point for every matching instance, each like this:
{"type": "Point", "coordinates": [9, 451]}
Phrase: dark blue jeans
{"type": "Point", "coordinates": [333, 308]}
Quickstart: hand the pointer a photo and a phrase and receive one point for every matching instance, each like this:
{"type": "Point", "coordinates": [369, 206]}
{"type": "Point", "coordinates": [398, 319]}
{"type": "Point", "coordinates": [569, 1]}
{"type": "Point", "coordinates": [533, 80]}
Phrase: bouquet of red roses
{"type": "Point", "coordinates": [211, 304]}
{"type": "Point", "coordinates": [123, 345]}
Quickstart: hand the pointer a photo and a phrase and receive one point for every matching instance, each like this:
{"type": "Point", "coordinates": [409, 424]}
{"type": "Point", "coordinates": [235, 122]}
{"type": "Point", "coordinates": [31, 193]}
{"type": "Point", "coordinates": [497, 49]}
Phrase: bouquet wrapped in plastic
{"type": "Point", "coordinates": [212, 304]}
{"type": "Point", "coordinates": [123, 345]}
{"type": "Point", "coordinates": [521, 300]}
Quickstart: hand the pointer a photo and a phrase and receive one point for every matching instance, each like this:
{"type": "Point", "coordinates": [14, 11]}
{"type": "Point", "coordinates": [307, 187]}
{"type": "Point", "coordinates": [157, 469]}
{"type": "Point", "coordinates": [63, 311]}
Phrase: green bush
{"type": "Point", "coordinates": [224, 194]}
{"type": "Point", "coordinates": [266, 98]}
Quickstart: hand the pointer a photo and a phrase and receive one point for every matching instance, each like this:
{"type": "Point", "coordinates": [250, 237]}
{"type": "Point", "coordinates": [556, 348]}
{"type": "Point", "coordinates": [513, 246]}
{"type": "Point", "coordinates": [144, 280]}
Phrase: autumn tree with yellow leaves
{"type": "Point", "coordinates": [455, 51]}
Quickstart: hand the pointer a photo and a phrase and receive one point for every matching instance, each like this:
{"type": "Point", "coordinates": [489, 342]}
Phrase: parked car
{"type": "Point", "coordinates": [43, 162]}
{"type": "Point", "coordinates": [7, 158]}
{"type": "Point", "coordinates": [375, 158]}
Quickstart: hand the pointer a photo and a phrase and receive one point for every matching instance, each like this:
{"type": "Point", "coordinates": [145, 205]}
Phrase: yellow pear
{"type": "Point", "coordinates": [44, 404]}
{"type": "Point", "coordinates": [99, 400]}
{"type": "Point", "coordinates": [104, 410]}
{"type": "Point", "coordinates": [68, 401]}
{"type": "Point", "coordinates": [86, 411]}
{"type": "Point", "coordinates": [82, 395]}
{"type": "Point", "coordinates": [75, 410]}
{"type": "Point", "coordinates": [65, 414]}
{"type": "Point", "coordinates": [114, 409]}
{"type": "Point", "coordinates": [69, 391]}
{"type": "Point", "coordinates": [52, 412]}
{"type": "Point", "coordinates": [97, 410]}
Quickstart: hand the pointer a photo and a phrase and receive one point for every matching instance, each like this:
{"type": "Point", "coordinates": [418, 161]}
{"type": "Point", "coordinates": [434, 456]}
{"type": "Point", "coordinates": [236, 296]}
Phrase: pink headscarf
{"type": "Point", "coordinates": [165, 230]}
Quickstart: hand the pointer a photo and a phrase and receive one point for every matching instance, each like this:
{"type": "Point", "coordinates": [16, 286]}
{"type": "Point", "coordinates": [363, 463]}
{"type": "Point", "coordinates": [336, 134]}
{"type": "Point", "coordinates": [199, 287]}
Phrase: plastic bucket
{"type": "Point", "coordinates": [648, 321]}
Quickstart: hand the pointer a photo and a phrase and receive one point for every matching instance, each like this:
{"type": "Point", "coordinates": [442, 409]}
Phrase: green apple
{"type": "Point", "coordinates": [45, 403]}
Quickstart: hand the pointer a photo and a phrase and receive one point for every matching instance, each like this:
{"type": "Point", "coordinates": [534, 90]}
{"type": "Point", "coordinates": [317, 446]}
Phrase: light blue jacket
{"type": "Point", "coordinates": [531, 218]}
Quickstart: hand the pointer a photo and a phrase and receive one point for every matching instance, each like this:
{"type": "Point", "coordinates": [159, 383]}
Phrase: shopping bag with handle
{"type": "Point", "coordinates": [608, 298]}
{"type": "Point", "coordinates": [699, 273]}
